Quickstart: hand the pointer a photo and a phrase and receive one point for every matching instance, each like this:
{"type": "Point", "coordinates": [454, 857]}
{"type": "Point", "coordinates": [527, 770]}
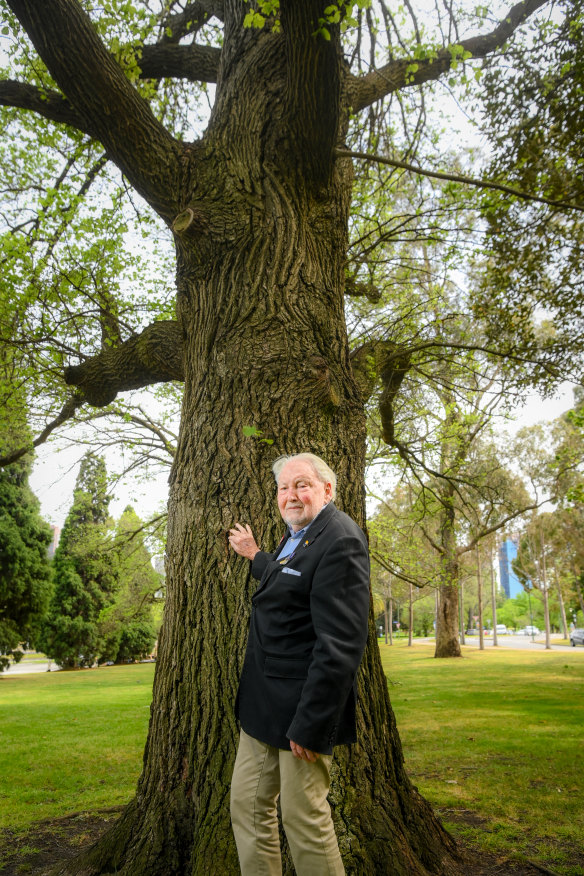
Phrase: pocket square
{"type": "Point", "coordinates": [290, 571]}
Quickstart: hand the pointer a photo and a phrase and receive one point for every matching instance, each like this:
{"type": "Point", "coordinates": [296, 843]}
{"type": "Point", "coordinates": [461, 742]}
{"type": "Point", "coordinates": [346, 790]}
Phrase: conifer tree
{"type": "Point", "coordinates": [127, 627]}
{"type": "Point", "coordinates": [84, 572]}
{"type": "Point", "coordinates": [24, 565]}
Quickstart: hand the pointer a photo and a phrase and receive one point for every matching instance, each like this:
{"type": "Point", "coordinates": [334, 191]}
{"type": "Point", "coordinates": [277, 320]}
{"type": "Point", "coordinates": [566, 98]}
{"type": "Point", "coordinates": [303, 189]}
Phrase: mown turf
{"type": "Point", "coordinates": [495, 740]}
{"type": "Point", "coordinates": [71, 741]}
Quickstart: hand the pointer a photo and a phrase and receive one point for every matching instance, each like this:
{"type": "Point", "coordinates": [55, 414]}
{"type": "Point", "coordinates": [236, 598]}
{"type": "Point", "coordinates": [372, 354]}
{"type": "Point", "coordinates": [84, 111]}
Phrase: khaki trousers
{"type": "Point", "coordinates": [263, 772]}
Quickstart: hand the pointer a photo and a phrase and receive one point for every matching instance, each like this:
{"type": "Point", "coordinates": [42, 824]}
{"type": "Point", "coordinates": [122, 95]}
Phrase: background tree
{"type": "Point", "coordinates": [258, 207]}
{"type": "Point", "coordinates": [24, 564]}
{"type": "Point", "coordinates": [24, 536]}
{"type": "Point", "coordinates": [84, 574]}
{"type": "Point", "coordinates": [534, 123]}
{"type": "Point", "coordinates": [532, 562]}
{"type": "Point", "coordinates": [127, 626]}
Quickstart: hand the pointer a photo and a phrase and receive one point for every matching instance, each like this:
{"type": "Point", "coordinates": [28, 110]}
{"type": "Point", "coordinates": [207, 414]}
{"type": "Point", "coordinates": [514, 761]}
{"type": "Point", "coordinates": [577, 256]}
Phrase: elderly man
{"type": "Point", "coordinates": [296, 697]}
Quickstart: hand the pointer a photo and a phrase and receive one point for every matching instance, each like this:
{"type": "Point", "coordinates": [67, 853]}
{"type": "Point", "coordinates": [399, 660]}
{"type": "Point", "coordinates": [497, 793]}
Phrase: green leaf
{"type": "Point", "coordinates": [251, 431]}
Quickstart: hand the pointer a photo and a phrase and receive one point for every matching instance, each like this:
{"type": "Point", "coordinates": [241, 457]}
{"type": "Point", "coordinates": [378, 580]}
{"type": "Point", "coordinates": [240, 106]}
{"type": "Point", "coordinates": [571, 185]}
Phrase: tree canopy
{"type": "Point", "coordinates": [256, 200]}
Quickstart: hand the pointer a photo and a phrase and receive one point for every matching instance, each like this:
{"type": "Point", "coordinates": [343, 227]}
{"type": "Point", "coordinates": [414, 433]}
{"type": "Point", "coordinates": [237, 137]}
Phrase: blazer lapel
{"type": "Point", "coordinates": [313, 533]}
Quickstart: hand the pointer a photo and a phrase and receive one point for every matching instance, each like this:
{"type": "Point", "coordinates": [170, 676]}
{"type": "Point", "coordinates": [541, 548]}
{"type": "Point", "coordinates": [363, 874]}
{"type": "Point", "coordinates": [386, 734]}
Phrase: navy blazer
{"type": "Point", "coordinates": [307, 635]}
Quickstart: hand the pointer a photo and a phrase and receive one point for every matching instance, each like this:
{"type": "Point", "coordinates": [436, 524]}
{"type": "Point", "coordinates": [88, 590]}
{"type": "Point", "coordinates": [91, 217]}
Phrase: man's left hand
{"type": "Point", "coordinates": [242, 541]}
{"type": "Point", "coordinates": [303, 753]}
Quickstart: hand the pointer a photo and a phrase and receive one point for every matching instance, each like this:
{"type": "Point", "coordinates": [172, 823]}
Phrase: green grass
{"type": "Point", "coordinates": [495, 741]}
{"type": "Point", "coordinates": [71, 741]}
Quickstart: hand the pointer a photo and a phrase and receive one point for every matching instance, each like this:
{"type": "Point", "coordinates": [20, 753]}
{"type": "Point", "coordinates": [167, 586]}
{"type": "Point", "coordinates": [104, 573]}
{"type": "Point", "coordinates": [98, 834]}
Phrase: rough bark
{"type": "Point", "coordinates": [261, 241]}
{"type": "Point", "coordinates": [261, 312]}
{"type": "Point", "coordinates": [193, 62]}
{"type": "Point", "coordinates": [259, 208]}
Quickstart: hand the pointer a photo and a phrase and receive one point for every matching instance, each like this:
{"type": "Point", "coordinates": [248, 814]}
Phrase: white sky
{"type": "Point", "coordinates": [54, 472]}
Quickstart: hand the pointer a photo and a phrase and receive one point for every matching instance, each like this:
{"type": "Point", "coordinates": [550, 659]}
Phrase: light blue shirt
{"type": "Point", "coordinates": [295, 539]}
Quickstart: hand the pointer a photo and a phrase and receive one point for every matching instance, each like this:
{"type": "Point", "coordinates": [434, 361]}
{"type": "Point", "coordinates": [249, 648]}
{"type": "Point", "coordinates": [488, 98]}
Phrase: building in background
{"type": "Point", "coordinates": [509, 580]}
{"type": "Point", "coordinates": [54, 541]}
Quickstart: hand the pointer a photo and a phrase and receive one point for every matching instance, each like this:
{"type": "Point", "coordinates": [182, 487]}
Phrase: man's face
{"type": "Point", "coordinates": [301, 494]}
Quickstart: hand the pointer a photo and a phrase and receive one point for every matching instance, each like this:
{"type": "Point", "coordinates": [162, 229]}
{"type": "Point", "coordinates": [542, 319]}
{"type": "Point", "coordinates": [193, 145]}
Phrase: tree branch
{"type": "Point", "coordinates": [68, 411]}
{"type": "Point", "coordinates": [456, 177]}
{"type": "Point", "coordinates": [98, 90]}
{"type": "Point", "coordinates": [313, 88]}
{"type": "Point", "coordinates": [356, 289]}
{"type": "Point", "coordinates": [191, 19]}
{"type": "Point", "coordinates": [154, 356]}
{"type": "Point", "coordinates": [365, 90]}
{"type": "Point", "coordinates": [166, 60]}
{"type": "Point", "coordinates": [400, 575]}
{"type": "Point", "coordinates": [488, 530]}
{"type": "Point", "coordinates": [49, 104]}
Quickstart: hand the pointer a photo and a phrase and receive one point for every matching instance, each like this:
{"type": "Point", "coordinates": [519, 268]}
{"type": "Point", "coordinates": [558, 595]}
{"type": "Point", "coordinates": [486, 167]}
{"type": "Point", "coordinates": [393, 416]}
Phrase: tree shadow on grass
{"type": "Point", "coordinates": [37, 850]}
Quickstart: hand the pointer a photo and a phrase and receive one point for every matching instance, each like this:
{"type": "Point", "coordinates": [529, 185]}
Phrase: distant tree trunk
{"type": "Point", "coordinates": [389, 619]}
{"type": "Point", "coordinates": [494, 597]}
{"type": "Point", "coordinates": [546, 603]}
{"type": "Point", "coordinates": [461, 613]}
{"type": "Point", "coordinates": [562, 606]}
{"type": "Point", "coordinates": [447, 642]}
{"type": "Point", "coordinates": [411, 616]}
{"type": "Point", "coordinates": [480, 598]}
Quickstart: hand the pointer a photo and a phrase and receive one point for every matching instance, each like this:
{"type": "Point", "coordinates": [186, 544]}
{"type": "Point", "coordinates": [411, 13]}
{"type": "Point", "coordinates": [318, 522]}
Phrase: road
{"type": "Point", "coordinates": [520, 643]}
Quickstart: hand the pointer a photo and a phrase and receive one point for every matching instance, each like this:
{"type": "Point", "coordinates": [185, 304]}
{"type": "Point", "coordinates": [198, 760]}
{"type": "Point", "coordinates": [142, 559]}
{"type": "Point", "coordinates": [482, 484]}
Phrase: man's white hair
{"type": "Point", "coordinates": [323, 472]}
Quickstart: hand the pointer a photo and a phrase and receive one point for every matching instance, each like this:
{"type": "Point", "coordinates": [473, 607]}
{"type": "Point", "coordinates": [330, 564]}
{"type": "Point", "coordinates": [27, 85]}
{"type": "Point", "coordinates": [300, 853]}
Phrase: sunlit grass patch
{"type": "Point", "coordinates": [71, 741]}
{"type": "Point", "coordinates": [497, 736]}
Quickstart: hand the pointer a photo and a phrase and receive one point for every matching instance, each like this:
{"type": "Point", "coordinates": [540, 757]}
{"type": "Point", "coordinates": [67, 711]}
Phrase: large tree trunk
{"type": "Point", "coordinates": [261, 246]}
{"type": "Point", "coordinates": [282, 366]}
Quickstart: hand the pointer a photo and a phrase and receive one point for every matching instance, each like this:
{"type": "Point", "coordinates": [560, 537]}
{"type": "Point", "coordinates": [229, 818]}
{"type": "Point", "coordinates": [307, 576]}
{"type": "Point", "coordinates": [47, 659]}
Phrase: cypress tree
{"type": "Point", "coordinates": [84, 572]}
{"type": "Point", "coordinates": [24, 564]}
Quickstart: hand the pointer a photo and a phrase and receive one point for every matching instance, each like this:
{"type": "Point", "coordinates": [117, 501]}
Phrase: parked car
{"type": "Point", "coordinates": [577, 637]}
{"type": "Point", "coordinates": [502, 630]}
{"type": "Point", "coordinates": [529, 631]}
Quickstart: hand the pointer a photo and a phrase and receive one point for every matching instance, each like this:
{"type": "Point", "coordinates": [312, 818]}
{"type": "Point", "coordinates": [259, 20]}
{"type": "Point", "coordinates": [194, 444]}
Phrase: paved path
{"type": "Point", "coordinates": [25, 668]}
{"type": "Point", "coordinates": [517, 643]}
{"type": "Point", "coordinates": [522, 643]}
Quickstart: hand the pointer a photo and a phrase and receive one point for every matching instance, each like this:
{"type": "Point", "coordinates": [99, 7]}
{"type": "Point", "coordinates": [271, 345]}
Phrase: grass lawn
{"type": "Point", "coordinates": [496, 742]}
{"type": "Point", "coordinates": [71, 741]}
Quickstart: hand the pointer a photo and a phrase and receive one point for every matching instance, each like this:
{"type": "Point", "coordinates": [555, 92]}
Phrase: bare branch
{"type": "Point", "coordinates": [460, 178]}
{"type": "Point", "coordinates": [398, 74]}
{"type": "Point", "coordinates": [193, 17]}
{"type": "Point", "coordinates": [49, 104]}
{"type": "Point", "coordinates": [67, 412]}
{"type": "Point", "coordinates": [488, 530]}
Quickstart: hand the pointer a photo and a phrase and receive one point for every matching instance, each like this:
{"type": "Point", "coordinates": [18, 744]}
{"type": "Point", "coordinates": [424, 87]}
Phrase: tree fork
{"type": "Point", "coordinates": [260, 339]}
